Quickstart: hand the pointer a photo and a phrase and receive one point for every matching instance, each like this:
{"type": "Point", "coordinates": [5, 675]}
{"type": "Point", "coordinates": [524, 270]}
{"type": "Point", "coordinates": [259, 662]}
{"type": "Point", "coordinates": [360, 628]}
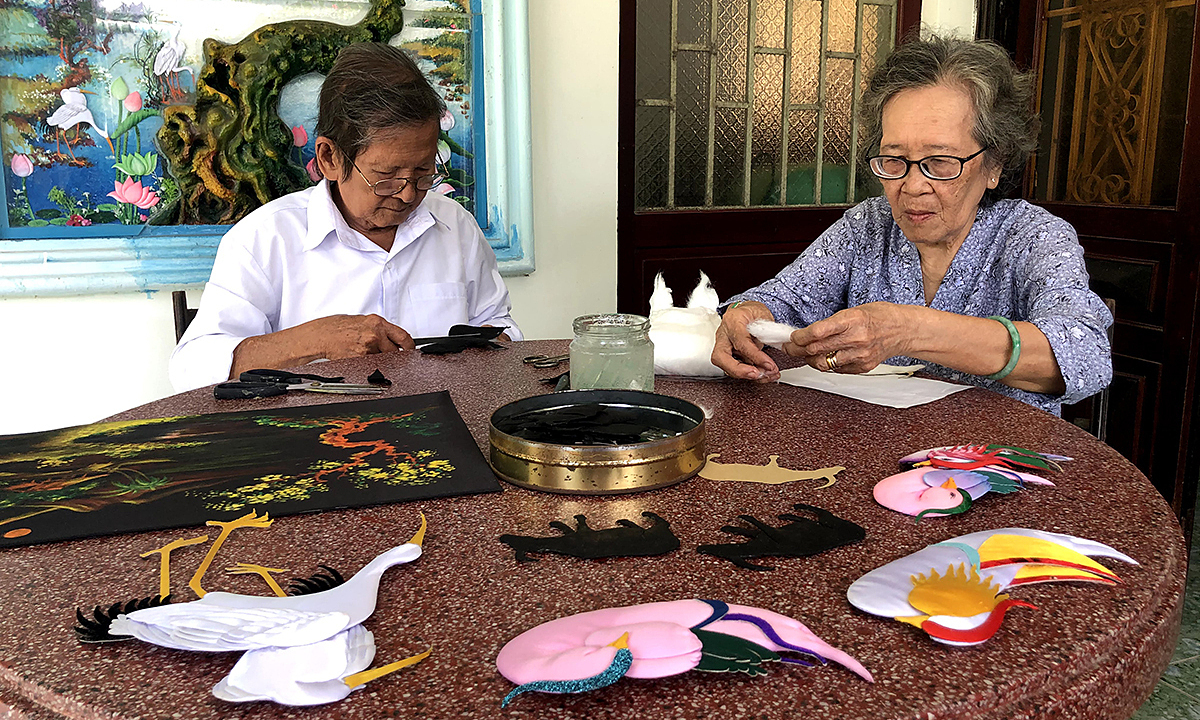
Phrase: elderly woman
{"type": "Point", "coordinates": [363, 261]}
{"type": "Point", "coordinates": [983, 290]}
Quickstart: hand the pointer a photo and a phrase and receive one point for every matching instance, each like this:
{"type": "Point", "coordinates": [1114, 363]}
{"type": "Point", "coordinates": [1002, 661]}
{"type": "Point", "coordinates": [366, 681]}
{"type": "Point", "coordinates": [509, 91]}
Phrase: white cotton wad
{"type": "Point", "coordinates": [684, 337]}
{"type": "Point", "coordinates": [770, 333]}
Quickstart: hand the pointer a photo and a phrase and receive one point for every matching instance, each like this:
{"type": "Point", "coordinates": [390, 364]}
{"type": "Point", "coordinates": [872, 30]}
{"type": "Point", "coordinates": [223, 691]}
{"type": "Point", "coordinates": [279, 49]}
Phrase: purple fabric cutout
{"type": "Point", "coordinates": [774, 637]}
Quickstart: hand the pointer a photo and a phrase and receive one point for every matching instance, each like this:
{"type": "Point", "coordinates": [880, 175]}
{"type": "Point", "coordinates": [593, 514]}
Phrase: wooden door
{"type": "Point", "coordinates": [1120, 160]}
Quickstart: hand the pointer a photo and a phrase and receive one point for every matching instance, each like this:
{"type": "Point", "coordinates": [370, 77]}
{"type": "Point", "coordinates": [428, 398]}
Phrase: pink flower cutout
{"type": "Point", "coordinates": [299, 136]}
{"type": "Point", "coordinates": [133, 193]}
{"type": "Point", "coordinates": [444, 189]}
{"type": "Point", "coordinates": [314, 173]}
{"type": "Point", "coordinates": [446, 121]}
{"type": "Point", "coordinates": [133, 101]}
{"type": "Point", "coordinates": [22, 166]}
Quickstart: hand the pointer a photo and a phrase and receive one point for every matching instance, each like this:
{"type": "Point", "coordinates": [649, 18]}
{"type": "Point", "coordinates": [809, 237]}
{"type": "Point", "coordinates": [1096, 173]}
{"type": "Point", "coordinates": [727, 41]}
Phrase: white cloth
{"type": "Point", "coordinates": [295, 259]}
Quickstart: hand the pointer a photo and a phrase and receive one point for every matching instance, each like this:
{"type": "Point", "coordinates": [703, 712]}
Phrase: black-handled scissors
{"type": "Point", "coordinates": [269, 383]}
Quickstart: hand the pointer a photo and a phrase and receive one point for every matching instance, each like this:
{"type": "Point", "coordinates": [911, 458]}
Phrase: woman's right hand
{"type": "Point", "coordinates": [736, 351]}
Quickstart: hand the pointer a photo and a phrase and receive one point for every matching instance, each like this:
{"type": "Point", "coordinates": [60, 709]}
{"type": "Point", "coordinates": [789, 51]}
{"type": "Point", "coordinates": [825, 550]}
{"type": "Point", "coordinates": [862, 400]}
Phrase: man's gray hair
{"type": "Point", "coordinates": [373, 87]}
{"type": "Point", "coordinates": [1002, 96]}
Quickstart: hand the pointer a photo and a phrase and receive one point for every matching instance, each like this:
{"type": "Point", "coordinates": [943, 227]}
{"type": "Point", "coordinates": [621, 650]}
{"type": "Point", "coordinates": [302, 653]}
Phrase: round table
{"type": "Point", "coordinates": [1089, 651]}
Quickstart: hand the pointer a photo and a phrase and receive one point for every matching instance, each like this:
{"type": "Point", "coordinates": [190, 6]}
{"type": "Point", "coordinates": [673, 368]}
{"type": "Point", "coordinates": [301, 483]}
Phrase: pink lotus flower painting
{"type": "Point", "coordinates": [133, 193]}
{"type": "Point", "coordinates": [22, 166]}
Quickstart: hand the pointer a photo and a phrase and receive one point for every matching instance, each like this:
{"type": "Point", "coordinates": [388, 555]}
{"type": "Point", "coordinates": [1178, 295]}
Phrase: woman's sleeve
{"type": "Point", "coordinates": [1056, 298]}
{"type": "Point", "coordinates": [814, 285]}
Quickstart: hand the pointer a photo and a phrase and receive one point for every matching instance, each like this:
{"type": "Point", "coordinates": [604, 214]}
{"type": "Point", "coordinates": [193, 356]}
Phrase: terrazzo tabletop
{"type": "Point", "coordinates": [1088, 651]}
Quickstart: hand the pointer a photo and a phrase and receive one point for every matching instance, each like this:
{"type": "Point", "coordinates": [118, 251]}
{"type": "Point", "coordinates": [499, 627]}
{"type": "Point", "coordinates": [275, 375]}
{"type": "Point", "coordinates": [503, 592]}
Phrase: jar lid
{"type": "Point", "coordinates": [610, 322]}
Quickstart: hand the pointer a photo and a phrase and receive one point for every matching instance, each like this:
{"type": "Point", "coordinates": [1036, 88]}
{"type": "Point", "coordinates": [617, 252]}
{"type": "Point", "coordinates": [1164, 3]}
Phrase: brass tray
{"type": "Point", "coordinates": [600, 469]}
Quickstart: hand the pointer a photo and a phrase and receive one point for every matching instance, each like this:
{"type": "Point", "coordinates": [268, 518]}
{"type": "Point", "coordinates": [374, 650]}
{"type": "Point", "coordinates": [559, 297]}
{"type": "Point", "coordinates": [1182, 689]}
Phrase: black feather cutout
{"type": "Point", "coordinates": [95, 629]}
{"type": "Point", "coordinates": [318, 582]}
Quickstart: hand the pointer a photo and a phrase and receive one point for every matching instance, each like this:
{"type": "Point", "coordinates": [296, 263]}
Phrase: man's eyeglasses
{"type": "Point", "coordinates": [395, 186]}
{"type": "Point", "coordinates": [934, 167]}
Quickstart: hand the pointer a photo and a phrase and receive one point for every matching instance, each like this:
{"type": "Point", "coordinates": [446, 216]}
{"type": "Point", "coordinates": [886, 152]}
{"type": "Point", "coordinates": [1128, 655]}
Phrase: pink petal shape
{"type": "Point", "coordinates": [299, 136]}
{"type": "Point", "coordinates": [133, 101]}
{"type": "Point", "coordinates": [22, 166]}
{"type": "Point", "coordinates": [313, 173]}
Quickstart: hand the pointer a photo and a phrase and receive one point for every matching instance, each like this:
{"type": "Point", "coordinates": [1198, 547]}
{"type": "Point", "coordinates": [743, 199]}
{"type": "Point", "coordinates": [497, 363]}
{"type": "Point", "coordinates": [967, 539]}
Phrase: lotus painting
{"type": "Point", "coordinates": [117, 116]}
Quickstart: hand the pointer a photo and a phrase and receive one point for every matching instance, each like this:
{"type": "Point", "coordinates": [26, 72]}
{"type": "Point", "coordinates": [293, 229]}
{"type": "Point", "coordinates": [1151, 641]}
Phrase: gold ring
{"type": "Point", "coordinates": [831, 361]}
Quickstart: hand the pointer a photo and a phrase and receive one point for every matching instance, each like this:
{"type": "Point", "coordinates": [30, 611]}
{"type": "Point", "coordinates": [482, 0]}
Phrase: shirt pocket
{"type": "Point", "coordinates": [434, 307]}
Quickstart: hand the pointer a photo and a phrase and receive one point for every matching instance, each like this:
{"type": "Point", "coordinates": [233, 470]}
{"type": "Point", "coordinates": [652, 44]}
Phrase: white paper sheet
{"type": "Point", "coordinates": [880, 386]}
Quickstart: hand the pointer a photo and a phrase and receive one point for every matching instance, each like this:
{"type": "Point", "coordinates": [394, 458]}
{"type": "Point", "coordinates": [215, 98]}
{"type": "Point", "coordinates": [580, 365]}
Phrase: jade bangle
{"type": "Point", "coordinates": [1016, 347]}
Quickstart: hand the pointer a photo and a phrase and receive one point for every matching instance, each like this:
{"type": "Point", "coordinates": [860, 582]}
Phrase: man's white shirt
{"type": "Point", "coordinates": [295, 259]}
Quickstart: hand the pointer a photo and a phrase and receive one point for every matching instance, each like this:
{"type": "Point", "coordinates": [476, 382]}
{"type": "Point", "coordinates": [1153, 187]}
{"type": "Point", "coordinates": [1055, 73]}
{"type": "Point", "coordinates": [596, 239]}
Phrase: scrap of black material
{"type": "Point", "coordinates": [596, 424]}
{"type": "Point", "coordinates": [562, 381]}
{"type": "Point", "coordinates": [378, 378]}
{"type": "Point", "coordinates": [628, 539]}
{"type": "Point", "coordinates": [463, 331]}
{"type": "Point", "coordinates": [458, 344]}
{"type": "Point", "coordinates": [800, 537]}
{"type": "Point", "coordinates": [111, 478]}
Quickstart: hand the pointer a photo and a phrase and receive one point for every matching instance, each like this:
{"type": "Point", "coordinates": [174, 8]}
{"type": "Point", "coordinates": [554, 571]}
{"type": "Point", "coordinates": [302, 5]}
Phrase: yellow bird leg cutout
{"type": "Point", "coordinates": [419, 538]}
{"type": "Point", "coordinates": [263, 572]}
{"type": "Point", "coordinates": [769, 474]}
{"type": "Point", "coordinates": [250, 519]}
{"type": "Point", "coordinates": [164, 561]}
{"type": "Point", "coordinates": [366, 676]}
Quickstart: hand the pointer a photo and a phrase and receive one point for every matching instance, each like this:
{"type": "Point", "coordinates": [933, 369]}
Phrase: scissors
{"type": "Point", "coordinates": [545, 361]}
{"type": "Point", "coordinates": [269, 383]}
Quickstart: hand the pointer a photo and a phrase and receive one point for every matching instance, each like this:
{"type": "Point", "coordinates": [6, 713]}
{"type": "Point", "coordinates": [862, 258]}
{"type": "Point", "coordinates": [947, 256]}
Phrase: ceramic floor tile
{"type": "Point", "coordinates": [1187, 650]}
{"type": "Point", "coordinates": [1167, 703]}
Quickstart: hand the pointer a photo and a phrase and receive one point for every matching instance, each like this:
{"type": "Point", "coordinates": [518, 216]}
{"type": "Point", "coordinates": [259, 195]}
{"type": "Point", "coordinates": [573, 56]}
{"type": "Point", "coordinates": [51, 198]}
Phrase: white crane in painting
{"type": "Point", "coordinates": [169, 61]}
{"type": "Point", "coordinates": [73, 112]}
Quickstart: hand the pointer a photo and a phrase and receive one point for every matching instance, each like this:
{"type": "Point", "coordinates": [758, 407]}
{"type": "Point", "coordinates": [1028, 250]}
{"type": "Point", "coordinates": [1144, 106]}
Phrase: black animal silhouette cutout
{"type": "Point", "coordinates": [800, 537]}
{"type": "Point", "coordinates": [628, 539]}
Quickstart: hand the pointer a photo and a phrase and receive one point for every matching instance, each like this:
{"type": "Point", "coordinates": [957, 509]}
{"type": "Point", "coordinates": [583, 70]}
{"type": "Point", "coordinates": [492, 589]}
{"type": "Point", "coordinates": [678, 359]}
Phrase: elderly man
{"type": "Point", "coordinates": [360, 263]}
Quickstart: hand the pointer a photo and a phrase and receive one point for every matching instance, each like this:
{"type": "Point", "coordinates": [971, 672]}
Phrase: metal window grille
{"type": "Point", "coordinates": [752, 103]}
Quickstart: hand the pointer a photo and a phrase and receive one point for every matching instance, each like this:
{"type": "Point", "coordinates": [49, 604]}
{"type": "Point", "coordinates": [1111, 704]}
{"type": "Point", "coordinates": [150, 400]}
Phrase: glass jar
{"type": "Point", "coordinates": [612, 352]}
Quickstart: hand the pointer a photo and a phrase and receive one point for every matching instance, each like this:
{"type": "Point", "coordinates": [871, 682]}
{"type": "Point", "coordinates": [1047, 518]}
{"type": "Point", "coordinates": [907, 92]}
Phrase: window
{"type": "Point", "coordinates": [750, 104]}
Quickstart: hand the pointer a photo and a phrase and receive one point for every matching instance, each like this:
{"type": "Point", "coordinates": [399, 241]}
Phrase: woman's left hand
{"type": "Point", "coordinates": [854, 340]}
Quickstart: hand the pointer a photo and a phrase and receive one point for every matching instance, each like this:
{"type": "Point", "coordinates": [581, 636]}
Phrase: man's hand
{"type": "Point", "coordinates": [734, 342]}
{"type": "Point", "coordinates": [862, 337]}
{"type": "Point", "coordinates": [347, 336]}
{"type": "Point", "coordinates": [333, 338]}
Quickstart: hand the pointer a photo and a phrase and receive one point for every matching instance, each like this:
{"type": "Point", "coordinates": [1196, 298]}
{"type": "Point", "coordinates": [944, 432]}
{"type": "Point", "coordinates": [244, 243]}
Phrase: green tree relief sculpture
{"type": "Point", "coordinates": [229, 152]}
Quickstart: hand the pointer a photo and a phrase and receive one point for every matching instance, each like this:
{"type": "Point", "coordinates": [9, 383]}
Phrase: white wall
{"type": "Point", "coordinates": [67, 361]}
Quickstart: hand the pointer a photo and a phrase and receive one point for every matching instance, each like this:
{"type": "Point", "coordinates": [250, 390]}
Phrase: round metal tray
{"type": "Point", "coordinates": [600, 469]}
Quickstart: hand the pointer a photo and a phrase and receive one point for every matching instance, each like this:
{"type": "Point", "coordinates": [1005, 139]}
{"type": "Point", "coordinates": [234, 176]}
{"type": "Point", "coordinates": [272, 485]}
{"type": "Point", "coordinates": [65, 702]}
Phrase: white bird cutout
{"type": "Point", "coordinates": [71, 113]}
{"type": "Point", "coordinates": [168, 61]}
{"type": "Point", "coordinates": [684, 337]}
{"type": "Point", "coordinates": [299, 650]}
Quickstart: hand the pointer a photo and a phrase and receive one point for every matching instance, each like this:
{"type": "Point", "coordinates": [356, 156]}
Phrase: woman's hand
{"type": "Point", "coordinates": [854, 340]}
{"type": "Point", "coordinates": [734, 342]}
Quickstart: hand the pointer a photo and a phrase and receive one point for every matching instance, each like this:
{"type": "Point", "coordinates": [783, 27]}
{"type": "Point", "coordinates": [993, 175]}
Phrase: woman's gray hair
{"type": "Point", "coordinates": [373, 87]}
{"type": "Point", "coordinates": [1005, 123]}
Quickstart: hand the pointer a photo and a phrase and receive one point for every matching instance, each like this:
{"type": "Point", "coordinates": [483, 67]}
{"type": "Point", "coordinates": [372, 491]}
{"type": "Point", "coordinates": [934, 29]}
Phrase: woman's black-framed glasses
{"type": "Point", "coordinates": [394, 186]}
{"type": "Point", "coordinates": [934, 167]}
